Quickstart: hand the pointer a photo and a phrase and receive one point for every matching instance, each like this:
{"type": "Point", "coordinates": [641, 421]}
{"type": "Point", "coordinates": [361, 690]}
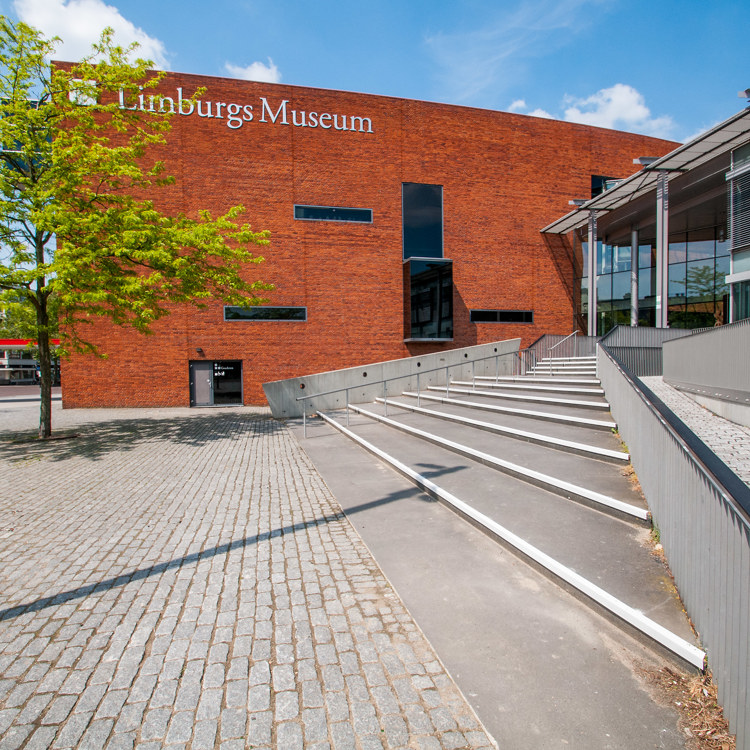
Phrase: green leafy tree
{"type": "Point", "coordinates": [77, 230]}
{"type": "Point", "coordinates": [18, 318]}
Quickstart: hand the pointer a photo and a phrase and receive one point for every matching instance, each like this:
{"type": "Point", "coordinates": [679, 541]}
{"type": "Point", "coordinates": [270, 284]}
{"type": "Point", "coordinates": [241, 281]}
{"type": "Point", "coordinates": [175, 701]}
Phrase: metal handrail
{"type": "Point", "coordinates": [385, 382]}
{"type": "Point", "coordinates": [562, 341]}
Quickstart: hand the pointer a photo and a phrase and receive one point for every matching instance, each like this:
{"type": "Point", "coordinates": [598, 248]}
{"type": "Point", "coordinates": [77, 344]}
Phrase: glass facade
{"type": "Point", "coordinates": [698, 294]}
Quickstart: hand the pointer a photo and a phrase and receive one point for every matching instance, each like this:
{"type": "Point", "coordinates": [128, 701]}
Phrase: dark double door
{"type": "Point", "coordinates": [215, 383]}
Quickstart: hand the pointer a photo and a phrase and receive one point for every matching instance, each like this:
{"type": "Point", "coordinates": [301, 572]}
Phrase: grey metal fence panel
{"type": "Point", "coordinates": [641, 336]}
{"type": "Point", "coordinates": [561, 345]}
{"type": "Point", "coordinates": [640, 349]}
{"type": "Point", "coordinates": [641, 360]}
{"type": "Point", "coordinates": [715, 362]}
{"type": "Point", "coordinates": [702, 511]}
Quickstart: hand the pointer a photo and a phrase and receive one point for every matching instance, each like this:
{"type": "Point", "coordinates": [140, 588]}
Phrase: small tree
{"type": "Point", "coordinates": [76, 228]}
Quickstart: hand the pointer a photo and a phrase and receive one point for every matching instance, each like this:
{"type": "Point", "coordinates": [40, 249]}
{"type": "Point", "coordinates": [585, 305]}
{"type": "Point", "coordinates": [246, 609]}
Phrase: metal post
{"type": "Point", "coordinates": [347, 407]}
{"type": "Point", "coordinates": [473, 376]}
{"type": "Point", "coordinates": [662, 251]}
{"type": "Point", "coordinates": [418, 390]}
{"type": "Point", "coordinates": [304, 420]}
{"type": "Point", "coordinates": [385, 396]}
{"type": "Point", "coordinates": [634, 294]}
{"type": "Point", "coordinates": [447, 382]}
{"type": "Point", "coordinates": [592, 273]}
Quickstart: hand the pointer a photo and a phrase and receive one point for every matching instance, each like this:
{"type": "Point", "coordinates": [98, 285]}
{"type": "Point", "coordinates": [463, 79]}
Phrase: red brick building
{"type": "Point", "coordinates": [351, 186]}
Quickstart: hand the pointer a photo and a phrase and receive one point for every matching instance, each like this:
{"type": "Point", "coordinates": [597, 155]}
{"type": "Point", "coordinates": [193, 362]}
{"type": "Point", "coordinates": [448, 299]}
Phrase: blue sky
{"type": "Point", "coordinates": [660, 67]}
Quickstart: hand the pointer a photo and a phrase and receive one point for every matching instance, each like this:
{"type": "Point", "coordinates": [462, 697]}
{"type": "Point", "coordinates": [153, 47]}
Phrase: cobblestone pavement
{"type": "Point", "coordinates": [728, 440]}
{"type": "Point", "coordinates": [184, 578]}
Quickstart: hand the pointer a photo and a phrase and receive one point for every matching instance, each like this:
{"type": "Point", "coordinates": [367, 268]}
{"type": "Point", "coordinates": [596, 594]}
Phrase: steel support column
{"type": "Point", "coordinates": [662, 251]}
{"type": "Point", "coordinates": [634, 276]}
{"type": "Point", "coordinates": [592, 273]}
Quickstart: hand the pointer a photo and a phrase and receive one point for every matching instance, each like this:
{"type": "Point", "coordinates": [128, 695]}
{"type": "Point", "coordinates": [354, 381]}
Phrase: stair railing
{"type": "Point", "coordinates": [419, 374]}
{"type": "Point", "coordinates": [574, 336]}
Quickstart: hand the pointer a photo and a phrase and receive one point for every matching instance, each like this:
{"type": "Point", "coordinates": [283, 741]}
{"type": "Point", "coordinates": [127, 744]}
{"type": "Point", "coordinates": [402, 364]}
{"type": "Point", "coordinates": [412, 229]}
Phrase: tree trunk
{"type": "Point", "coordinates": [45, 371]}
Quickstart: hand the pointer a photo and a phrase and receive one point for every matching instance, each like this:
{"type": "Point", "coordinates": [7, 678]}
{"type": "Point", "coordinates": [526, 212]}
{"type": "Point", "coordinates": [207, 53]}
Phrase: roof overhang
{"type": "Point", "coordinates": [724, 137]}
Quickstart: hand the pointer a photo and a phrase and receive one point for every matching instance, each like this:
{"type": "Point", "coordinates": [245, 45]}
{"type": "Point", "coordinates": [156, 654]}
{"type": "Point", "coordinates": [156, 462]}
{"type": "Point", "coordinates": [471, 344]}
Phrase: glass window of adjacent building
{"type": "Point", "coordinates": [422, 212]}
{"type": "Point", "coordinates": [698, 294]}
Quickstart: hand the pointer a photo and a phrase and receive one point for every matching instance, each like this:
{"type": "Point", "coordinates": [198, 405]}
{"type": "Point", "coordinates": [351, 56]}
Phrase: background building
{"type": "Point", "coordinates": [669, 246]}
{"type": "Point", "coordinates": [398, 227]}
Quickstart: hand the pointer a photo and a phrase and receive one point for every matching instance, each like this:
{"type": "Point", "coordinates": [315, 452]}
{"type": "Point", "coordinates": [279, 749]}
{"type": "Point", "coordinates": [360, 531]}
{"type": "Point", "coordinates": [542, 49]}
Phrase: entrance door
{"type": "Point", "coordinates": [215, 383]}
{"type": "Point", "coordinates": [201, 384]}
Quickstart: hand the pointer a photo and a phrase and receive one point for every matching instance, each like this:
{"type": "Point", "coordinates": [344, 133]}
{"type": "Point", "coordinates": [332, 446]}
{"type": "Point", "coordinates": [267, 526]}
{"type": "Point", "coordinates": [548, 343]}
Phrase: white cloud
{"type": "Point", "coordinates": [541, 113]}
{"type": "Point", "coordinates": [79, 24]}
{"type": "Point", "coordinates": [520, 106]}
{"type": "Point", "coordinates": [619, 107]}
{"type": "Point", "coordinates": [481, 62]}
{"type": "Point", "coordinates": [256, 71]}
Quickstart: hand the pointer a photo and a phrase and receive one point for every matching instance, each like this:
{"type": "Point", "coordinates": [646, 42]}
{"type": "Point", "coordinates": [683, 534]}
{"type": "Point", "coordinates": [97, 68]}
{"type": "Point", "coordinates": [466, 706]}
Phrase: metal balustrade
{"type": "Point", "coordinates": [702, 512]}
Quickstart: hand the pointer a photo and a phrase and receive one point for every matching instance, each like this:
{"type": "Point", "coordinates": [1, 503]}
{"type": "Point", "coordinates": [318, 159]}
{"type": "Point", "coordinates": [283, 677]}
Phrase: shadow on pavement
{"type": "Point", "coordinates": [195, 557]}
{"type": "Point", "coordinates": [94, 440]}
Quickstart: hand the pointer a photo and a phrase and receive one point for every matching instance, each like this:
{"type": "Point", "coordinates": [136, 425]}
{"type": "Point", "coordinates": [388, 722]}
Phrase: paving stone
{"type": "Point", "coordinates": [180, 728]}
{"type": "Point", "coordinates": [41, 739]}
{"type": "Point", "coordinates": [96, 734]}
{"type": "Point", "coordinates": [204, 735]}
{"type": "Point", "coordinates": [232, 723]}
{"type": "Point", "coordinates": [214, 628]}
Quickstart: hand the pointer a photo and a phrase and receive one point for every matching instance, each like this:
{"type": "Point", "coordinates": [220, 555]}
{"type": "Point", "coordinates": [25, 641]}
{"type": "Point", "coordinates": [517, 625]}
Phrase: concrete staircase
{"type": "Point", "coordinates": [569, 366]}
{"type": "Point", "coordinates": [535, 463]}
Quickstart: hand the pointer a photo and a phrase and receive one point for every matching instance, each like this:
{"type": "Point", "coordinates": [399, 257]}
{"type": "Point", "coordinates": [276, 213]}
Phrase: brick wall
{"type": "Point", "coordinates": [504, 176]}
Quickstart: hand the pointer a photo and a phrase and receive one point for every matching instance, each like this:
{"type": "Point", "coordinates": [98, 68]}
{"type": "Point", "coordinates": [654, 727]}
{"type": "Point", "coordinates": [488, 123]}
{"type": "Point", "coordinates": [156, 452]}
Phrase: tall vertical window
{"type": "Point", "coordinates": [422, 211]}
{"type": "Point", "coordinates": [429, 283]}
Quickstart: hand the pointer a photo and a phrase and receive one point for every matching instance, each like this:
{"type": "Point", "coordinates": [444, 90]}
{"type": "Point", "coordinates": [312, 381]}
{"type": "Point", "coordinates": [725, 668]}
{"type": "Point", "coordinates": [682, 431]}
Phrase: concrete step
{"type": "Point", "coordinates": [582, 360]}
{"type": "Point", "coordinates": [537, 379]}
{"type": "Point", "coordinates": [579, 403]}
{"type": "Point", "coordinates": [550, 416]}
{"type": "Point", "coordinates": [555, 484]}
{"type": "Point", "coordinates": [572, 446]}
{"type": "Point", "coordinates": [564, 366]}
{"type": "Point", "coordinates": [548, 371]}
{"type": "Point", "coordinates": [529, 385]}
{"type": "Point", "coordinates": [579, 468]}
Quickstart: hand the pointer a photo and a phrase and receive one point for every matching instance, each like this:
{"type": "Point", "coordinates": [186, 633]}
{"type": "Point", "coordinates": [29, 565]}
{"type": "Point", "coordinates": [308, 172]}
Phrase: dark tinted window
{"type": "Point", "coordinates": [227, 383]}
{"type": "Point", "coordinates": [430, 290]}
{"type": "Point", "coordinates": [502, 316]}
{"type": "Point", "coordinates": [265, 313]}
{"type": "Point", "coordinates": [333, 213]}
{"type": "Point", "coordinates": [422, 207]}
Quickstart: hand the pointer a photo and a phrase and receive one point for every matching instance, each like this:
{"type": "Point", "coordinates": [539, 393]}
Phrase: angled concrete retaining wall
{"type": "Point", "coordinates": [365, 383]}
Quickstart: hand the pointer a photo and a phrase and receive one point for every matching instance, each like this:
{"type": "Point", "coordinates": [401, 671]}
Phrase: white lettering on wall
{"type": "Point", "coordinates": [274, 117]}
{"type": "Point", "coordinates": [235, 114]}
